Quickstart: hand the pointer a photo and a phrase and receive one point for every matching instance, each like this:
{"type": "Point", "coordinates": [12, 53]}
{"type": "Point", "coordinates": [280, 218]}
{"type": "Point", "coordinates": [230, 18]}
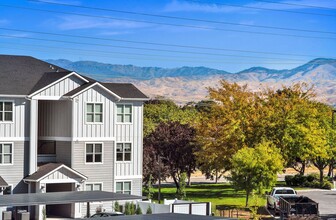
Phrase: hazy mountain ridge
{"type": "Point", "coordinates": [189, 83]}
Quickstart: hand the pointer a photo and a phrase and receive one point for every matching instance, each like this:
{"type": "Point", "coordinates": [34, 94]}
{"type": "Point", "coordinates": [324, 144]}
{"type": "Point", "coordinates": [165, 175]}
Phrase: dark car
{"type": "Point", "coordinates": [106, 214]}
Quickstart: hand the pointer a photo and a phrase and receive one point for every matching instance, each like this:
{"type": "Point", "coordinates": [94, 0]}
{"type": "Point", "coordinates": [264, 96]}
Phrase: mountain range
{"type": "Point", "coordinates": [189, 83]}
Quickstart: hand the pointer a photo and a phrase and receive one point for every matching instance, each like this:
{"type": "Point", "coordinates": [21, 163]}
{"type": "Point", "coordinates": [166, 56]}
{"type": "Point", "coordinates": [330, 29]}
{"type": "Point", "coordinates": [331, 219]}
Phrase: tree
{"type": "Point", "coordinates": [174, 143]}
{"type": "Point", "coordinates": [254, 169]}
{"type": "Point", "coordinates": [233, 121]}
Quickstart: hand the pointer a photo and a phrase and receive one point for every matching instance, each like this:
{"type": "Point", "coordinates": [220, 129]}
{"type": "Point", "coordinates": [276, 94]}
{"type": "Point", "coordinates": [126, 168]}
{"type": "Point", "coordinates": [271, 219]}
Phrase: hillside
{"type": "Point", "coordinates": [189, 83]}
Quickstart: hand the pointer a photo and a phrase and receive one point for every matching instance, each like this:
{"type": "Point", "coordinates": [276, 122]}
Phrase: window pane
{"type": "Point", "coordinates": [128, 118]}
{"type": "Point", "coordinates": [1, 116]}
{"type": "Point", "coordinates": [89, 158]}
{"type": "Point", "coordinates": [98, 158]}
{"type": "Point", "coordinates": [127, 147]}
{"type": "Point", "coordinates": [120, 118]}
{"type": "Point", "coordinates": [98, 108]}
{"type": "Point", "coordinates": [98, 148]}
{"type": "Point", "coordinates": [128, 109]}
{"type": "Point", "coordinates": [0, 148]}
{"type": "Point", "coordinates": [119, 147]}
{"type": "Point", "coordinates": [1, 106]}
{"type": "Point", "coordinates": [89, 187]}
{"type": "Point", "coordinates": [127, 156]}
{"type": "Point", "coordinates": [89, 148]}
{"type": "Point", "coordinates": [8, 106]}
{"type": "Point", "coordinates": [127, 186]}
{"type": "Point", "coordinates": [8, 116]}
{"type": "Point", "coordinates": [119, 187]}
{"type": "Point", "coordinates": [97, 187]}
{"type": "Point", "coordinates": [8, 190]}
{"type": "Point", "coordinates": [98, 118]}
{"type": "Point", "coordinates": [7, 148]}
{"type": "Point", "coordinates": [89, 117]}
{"type": "Point", "coordinates": [0, 158]}
{"type": "Point", "coordinates": [120, 109]}
{"type": "Point", "coordinates": [89, 108]}
{"type": "Point", "coordinates": [7, 158]}
{"type": "Point", "coordinates": [119, 157]}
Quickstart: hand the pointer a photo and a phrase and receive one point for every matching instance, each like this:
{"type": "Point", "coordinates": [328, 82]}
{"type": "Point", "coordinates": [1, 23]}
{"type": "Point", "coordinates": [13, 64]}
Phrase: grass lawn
{"type": "Point", "coordinates": [218, 194]}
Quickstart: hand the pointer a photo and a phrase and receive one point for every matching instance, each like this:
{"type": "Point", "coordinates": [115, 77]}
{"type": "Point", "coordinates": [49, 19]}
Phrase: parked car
{"type": "Point", "coordinates": [106, 214]}
{"type": "Point", "coordinates": [273, 198]}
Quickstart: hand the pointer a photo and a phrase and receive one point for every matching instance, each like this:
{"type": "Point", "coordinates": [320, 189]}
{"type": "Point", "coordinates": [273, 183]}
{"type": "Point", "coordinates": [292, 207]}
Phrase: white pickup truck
{"type": "Point", "coordinates": [274, 196]}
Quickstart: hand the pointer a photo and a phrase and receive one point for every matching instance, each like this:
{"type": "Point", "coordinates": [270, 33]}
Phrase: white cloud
{"type": "Point", "coordinates": [78, 22]}
{"type": "Point", "coordinates": [176, 6]}
{"type": "Point", "coordinates": [4, 21]}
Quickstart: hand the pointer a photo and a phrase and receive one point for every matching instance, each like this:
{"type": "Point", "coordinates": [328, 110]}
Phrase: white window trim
{"type": "Point", "coordinates": [115, 150]}
{"type": "Point", "coordinates": [89, 163]}
{"type": "Point", "coordinates": [88, 183]}
{"type": "Point", "coordinates": [116, 114]}
{"type": "Point", "coordinates": [9, 164]}
{"type": "Point", "coordinates": [93, 123]}
{"type": "Point", "coordinates": [11, 192]}
{"type": "Point", "coordinates": [123, 181]}
{"type": "Point", "coordinates": [13, 116]}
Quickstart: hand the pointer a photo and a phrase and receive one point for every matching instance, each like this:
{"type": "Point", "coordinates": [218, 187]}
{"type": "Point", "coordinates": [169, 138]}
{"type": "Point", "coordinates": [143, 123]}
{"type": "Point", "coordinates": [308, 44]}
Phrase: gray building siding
{"type": "Point", "coordinates": [96, 172]}
{"type": "Point", "coordinates": [14, 173]}
{"type": "Point", "coordinates": [19, 128]}
{"type": "Point", "coordinates": [54, 118]}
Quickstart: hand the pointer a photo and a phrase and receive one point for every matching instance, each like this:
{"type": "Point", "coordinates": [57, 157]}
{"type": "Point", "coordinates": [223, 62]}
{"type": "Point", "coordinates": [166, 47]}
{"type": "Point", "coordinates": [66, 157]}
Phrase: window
{"type": "Point", "coordinates": [6, 153]}
{"type": "Point", "coordinates": [124, 151]}
{"type": "Point", "coordinates": [94, 153]}
{"type": "Point", "coordinates": [93, 187]}
{"type": "Point", "coordinates": [123, 187]}
{"type": "Point", "coordinates": [6, 111]}
{"type": "Point", "coordinates": [7, 190]}
{"type": "Point", "coordinates": [94, 112]}
{"type": "Point", "coordinates": [124, 113]}
{"type": "Point", "coordinates": [46, 147]}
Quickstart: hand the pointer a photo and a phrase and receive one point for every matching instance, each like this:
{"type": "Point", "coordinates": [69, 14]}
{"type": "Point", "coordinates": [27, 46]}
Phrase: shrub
{"type": "Point", "coordinates": [149, 210]}
{"type": "Point", "coordinates": [132, 208]}
{"type": "Point", "coordinates": [138, 210]}
{"type": "Point", "coordinates": [127, 208]}
{"type": "Point", "coordinates": [326, 185]}
{"type": "Point", "coordinates": [116, 206]}
{"type": "Point", "coordinates": [313, 176]}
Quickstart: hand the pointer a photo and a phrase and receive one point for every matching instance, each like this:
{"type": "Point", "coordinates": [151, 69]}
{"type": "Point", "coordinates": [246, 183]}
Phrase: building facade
{"type": "Point", "coordinates": [62, 131]}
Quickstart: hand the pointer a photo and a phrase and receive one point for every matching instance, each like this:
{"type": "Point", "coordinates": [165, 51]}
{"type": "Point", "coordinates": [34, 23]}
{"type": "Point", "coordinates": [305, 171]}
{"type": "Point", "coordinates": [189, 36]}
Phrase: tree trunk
{"type": "Point", "coordinates": [247, 198]}
{"type": "Point", "coordinates": [177, 184]}
{"type": "Point", "coordinates": [189, 178]}
{"type": "Point", "coordinates": [321, 175]}
{"type": "Point", "coordinates": [303, 168]}
{"type": "Point", "coordinates": [331, 169]}
{"type": "Point", "coordinates": [216, 178]}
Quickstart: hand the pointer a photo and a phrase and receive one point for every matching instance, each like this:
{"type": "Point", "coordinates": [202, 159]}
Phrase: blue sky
{"type": "Point", "coordinates": [101, 35]}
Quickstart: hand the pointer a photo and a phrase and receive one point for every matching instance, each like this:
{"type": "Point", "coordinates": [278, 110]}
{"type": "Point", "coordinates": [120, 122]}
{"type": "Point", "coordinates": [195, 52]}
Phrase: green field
{"type": "Point", "coordinates": [218, 194]}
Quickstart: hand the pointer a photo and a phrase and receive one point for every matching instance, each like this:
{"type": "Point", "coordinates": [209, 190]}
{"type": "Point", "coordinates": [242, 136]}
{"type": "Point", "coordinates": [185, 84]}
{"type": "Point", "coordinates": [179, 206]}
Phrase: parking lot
{"type": "Point", "coordinates": [326, 200]}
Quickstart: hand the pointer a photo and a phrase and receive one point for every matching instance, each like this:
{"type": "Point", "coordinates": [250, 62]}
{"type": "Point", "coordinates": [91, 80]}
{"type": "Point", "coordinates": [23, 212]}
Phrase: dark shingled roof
{"type": "Point", "coordinates": [44, 170]}
{"type": "Point", "coordinates": [20, 74]}
{"type": "Point", "coordinates": [125, 90]}
{"type": "Point", "coordinates": [3, 183]}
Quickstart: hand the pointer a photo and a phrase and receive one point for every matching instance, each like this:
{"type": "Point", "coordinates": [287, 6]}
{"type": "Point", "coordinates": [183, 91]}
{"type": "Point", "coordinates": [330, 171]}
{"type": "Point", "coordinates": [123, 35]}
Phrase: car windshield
{"type": "Point", "coordinates": [284, 191]}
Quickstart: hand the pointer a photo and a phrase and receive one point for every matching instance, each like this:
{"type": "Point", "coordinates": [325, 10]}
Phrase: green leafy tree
{"type": "Point", "coordinates": [181, 193]}
{"type": "Point", "coordinates": [149, 210]}
{"type": "Point", "coordinates": [138, 210]}
{"type": "Point", "coordinates": [254, 169]}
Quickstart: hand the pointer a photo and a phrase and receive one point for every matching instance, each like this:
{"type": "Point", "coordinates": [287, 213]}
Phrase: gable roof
{"type": "Point", "coordinates": [46, 169]}
{"type": "Point", "coordinates": [3, 183]}
{"type": "Point", "coordinates": [21, 74]}
{"type": "Point", "coordinates": [25, 75]}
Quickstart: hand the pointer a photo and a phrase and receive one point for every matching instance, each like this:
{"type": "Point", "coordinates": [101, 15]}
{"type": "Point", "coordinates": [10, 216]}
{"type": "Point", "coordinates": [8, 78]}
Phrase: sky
{"type": "Point", "coordinates": [230, 35]}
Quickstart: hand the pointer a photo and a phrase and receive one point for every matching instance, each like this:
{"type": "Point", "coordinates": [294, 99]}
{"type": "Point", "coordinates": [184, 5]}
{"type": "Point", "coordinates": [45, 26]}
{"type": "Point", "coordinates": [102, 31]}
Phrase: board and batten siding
{"type": "Point", "coordinates": [19, 128]}
{"type": "Point", "coordinates": [81, 128]}
{"type": "Point", "coordinates": [62, 87]}
{"type": "Point", "coordinates": [131, 133]}
{"type": "Point", "coordinates": [14, 173]}
{"type": "Point", "coordinates": [54, 118]}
